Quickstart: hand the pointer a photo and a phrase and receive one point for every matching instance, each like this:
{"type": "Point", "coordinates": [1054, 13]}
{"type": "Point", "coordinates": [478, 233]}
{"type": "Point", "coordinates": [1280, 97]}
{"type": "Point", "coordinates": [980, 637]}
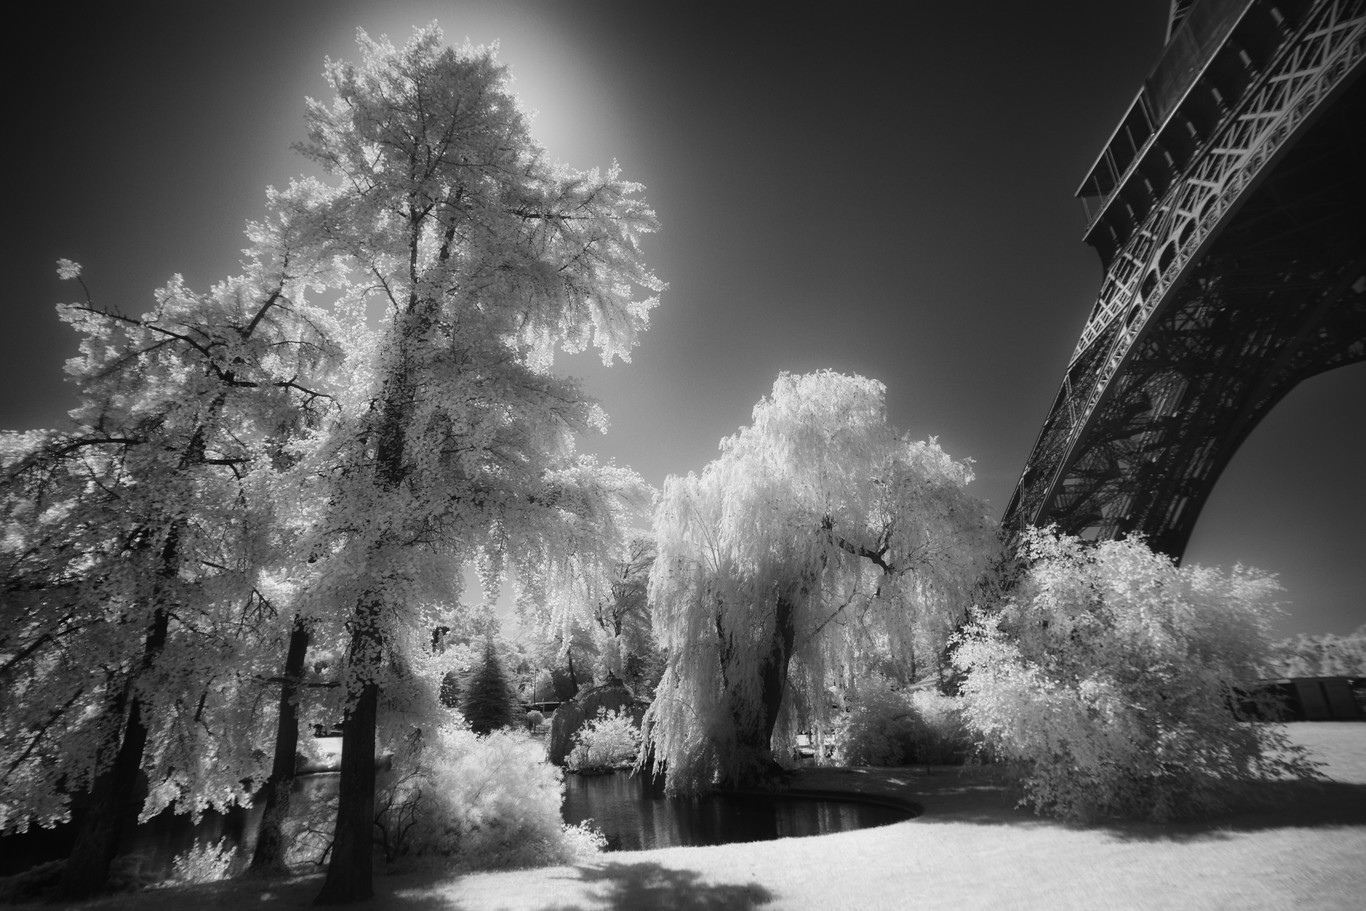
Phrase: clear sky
{"type": "Point", "coordinates": [886, 191]}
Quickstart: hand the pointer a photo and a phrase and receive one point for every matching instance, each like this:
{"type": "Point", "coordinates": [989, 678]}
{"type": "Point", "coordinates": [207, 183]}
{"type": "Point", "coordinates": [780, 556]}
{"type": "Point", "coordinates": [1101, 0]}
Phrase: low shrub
{"type": "Point", "coordinates": [307, 829]}
{"type": "Point", "coordinates": [204, 862]}
{"type": "Point", "coordinates": [887, 727]}
{"type": "Point", "coordinates": [609, 741]}
{"type": "Point", "coordinates": [483, 802]}
{"type": "Point", "coordinates": [1107, 682]}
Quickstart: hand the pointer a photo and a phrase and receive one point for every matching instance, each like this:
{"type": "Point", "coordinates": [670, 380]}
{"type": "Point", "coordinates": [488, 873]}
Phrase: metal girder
{"type": "Point", "coordinates": [1245, 277]}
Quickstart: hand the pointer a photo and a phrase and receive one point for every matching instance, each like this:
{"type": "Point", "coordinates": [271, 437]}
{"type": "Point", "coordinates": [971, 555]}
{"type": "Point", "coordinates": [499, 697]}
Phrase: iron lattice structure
{"type": "Point", "coordinates": [1229, 212]}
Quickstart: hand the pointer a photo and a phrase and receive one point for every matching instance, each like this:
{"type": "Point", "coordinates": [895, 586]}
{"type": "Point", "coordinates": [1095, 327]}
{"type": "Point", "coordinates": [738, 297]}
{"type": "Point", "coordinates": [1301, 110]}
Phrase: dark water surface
{"type": "Point", "coordinates": [633, 819]}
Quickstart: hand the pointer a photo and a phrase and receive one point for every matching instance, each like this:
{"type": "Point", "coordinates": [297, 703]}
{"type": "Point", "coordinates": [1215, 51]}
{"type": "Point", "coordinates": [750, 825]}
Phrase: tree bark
{"type": "Point", "coordinates": [573, 677]}
{"type": "Point", "coordinates": [113, 804]}
{"type": "Point", "coordinates": [269, 854]}
{"type": "Point", "coordinates": [350, 875]}
{"type": "Point", "coordinates": [755, 732]}
{"type": "Point", "coordinates": [774, 671]}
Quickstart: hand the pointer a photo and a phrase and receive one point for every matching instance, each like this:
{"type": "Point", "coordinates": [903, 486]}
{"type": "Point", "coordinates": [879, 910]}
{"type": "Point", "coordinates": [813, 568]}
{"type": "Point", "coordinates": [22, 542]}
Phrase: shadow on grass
{"type": "Point", "coordinates": [258, 892]}
{"type": "Point", "coordinates": [985, 800]}
{"type": "Point", "coordinates": [631, 886]}
{"type": "Point", "coordinates": [1273, 805]}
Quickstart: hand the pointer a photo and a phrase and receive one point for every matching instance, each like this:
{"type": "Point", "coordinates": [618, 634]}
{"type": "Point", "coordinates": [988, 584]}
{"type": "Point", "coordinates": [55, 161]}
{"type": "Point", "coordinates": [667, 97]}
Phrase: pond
{"type": "Point", "coordinates": [635, 819]}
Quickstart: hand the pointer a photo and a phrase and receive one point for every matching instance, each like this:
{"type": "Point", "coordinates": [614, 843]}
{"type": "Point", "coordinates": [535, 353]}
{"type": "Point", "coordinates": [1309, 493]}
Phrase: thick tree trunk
{"type": "Point", "coordinates": [350, 877]}
{"type": "Point", "coordinates": [113, 804]}
{"type": "Point", "coordinates": [774, 671]}
{"type": "Point", "coordinates": [349, 870]}
{"type": "Point", "coordinates": [270, 847]}
{"type": "Point", "coordinates": [755, 730]}
{"type": "Point", "coordinates": [350, 874]}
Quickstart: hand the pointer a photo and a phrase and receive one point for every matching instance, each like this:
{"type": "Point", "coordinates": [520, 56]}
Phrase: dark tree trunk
{"type": "Point", "coordinates": [270, 847]}
{"type": "Point", "coordinates": [774, 671]}
{"type": "Point", "coordinates": [350, 877]}
{"type": "Point", "coordinates": [350, 868]}
{"type": "Point", "coordinates": [755, 731]}
{"type": "Point", "coordinates": [113, 805]}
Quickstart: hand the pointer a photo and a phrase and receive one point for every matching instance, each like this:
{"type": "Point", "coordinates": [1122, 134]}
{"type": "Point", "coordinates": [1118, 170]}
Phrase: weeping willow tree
{"type": "Point", "coordinates": [821, 544]}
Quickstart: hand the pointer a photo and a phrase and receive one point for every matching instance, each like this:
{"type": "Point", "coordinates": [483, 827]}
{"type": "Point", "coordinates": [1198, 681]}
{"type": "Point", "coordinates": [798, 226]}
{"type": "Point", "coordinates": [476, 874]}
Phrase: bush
{"type": "Point", "coordinates": [609, 741]}
{"type": "Point", "coordinates": [890, 728]}
{"type": "Point", "coordinates": [204, 863]}
{"type": "Point", "coordinates": [534, 720]}
{"type": "Point", "coordinates": [1107, 681]}
{"type": "Point", "coordinates": [482, 801]}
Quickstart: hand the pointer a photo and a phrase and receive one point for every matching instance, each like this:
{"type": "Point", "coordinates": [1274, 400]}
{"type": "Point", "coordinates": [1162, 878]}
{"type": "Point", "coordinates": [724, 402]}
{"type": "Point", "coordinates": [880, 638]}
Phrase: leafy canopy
{"type": "Point", "coordinates": [821, 536]}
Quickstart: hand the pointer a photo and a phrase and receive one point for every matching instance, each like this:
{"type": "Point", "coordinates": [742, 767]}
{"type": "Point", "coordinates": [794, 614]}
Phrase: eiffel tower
{"type": "Point", "coordinates": [1229, 213]}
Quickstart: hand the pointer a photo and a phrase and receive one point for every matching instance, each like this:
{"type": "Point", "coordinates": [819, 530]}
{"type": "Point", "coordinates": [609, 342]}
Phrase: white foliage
{"type": "Point", "coordinates": [243, 454]}
{"type": "Point", "coordinates": [204, 862]}
{"type": "Point", "coordinates": [819, 515]}
{"type": "Point", "coordinates": [605, 742]}
{"type": "Point", "coordinates": [1109, 679]}
{"type": "Point", "coordinates": [888, 727]}
{"type": "Point", "coordinates": [484, 802]}
{"type": "Point", "coordinates": [486, 259]}
{"type": "Point", "coordinates": [132, 539]}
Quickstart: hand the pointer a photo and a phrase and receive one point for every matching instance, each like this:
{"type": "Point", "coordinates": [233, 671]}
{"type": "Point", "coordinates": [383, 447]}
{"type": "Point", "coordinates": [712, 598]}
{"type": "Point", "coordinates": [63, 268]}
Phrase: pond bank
{"type": "Point", "coordinates": [635, 816]}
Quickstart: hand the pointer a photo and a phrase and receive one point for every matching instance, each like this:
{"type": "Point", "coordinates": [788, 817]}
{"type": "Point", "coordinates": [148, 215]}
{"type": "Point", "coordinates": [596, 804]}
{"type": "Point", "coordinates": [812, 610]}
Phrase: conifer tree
{"type": "Point", "coordinates": [489, 702]}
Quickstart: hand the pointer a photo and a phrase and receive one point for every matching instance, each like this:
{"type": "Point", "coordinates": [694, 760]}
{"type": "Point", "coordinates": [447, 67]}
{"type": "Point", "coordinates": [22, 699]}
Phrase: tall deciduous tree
{"type": "Point", "coordinates": [819, 543]}
{"type": "Point", "coordinates": [624, 623]}
{"type": "Point", "coordinates": [486, 259]}
{"type": "Point", "coordinates": [132, 545]}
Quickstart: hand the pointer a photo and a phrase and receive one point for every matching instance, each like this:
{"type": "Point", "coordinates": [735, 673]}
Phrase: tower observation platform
{"type": "Point", "coordinates": [1229, 212]}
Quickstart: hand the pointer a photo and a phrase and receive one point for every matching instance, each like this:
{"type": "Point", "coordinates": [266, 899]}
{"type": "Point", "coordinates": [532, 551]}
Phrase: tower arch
{"type": "Point", "coordinates": [1229, 213]}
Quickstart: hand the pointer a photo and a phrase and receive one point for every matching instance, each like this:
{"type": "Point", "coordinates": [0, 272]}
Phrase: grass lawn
{"type": "Point", "coordinates": [1304, 847]}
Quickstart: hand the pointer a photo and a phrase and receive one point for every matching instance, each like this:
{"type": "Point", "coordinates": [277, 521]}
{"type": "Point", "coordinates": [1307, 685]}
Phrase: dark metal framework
{"type": "Point", "coordinates": [1229, 211]}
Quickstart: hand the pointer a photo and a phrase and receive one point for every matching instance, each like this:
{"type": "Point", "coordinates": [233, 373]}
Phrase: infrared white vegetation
{"type": "Point", "coordinates": [247, 468]}
{"type": "Point", "coordinates": [485, 258]}
{"type": "Point", "coordinates": [1112, 680]}
{"type": "Point", "coordinates": [820, 544]}
{"type": "Point", "coordinates": [136, 636]}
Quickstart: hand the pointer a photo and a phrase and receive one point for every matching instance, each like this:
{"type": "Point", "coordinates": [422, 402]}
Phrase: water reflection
{"type": "Point", "coordinates": [634, 819]}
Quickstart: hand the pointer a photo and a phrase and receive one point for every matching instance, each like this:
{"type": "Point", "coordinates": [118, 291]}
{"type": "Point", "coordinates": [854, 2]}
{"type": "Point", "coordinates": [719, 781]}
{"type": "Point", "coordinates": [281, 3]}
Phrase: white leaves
{"type": "Point", "coordinates": [159, 507]}
{"type": "Point", "coordinates": [1111, 675]}
{"type": "Point", "coordinates": [456, 444]}
{"type": "Point", "coordinates": [243, 453]}
{"type": "Point", "coordinates": [820, 505]}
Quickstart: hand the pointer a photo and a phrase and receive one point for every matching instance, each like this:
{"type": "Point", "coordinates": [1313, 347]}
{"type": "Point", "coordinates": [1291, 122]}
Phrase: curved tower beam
{"type": "Point", "coordinates": [1229, 212]}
